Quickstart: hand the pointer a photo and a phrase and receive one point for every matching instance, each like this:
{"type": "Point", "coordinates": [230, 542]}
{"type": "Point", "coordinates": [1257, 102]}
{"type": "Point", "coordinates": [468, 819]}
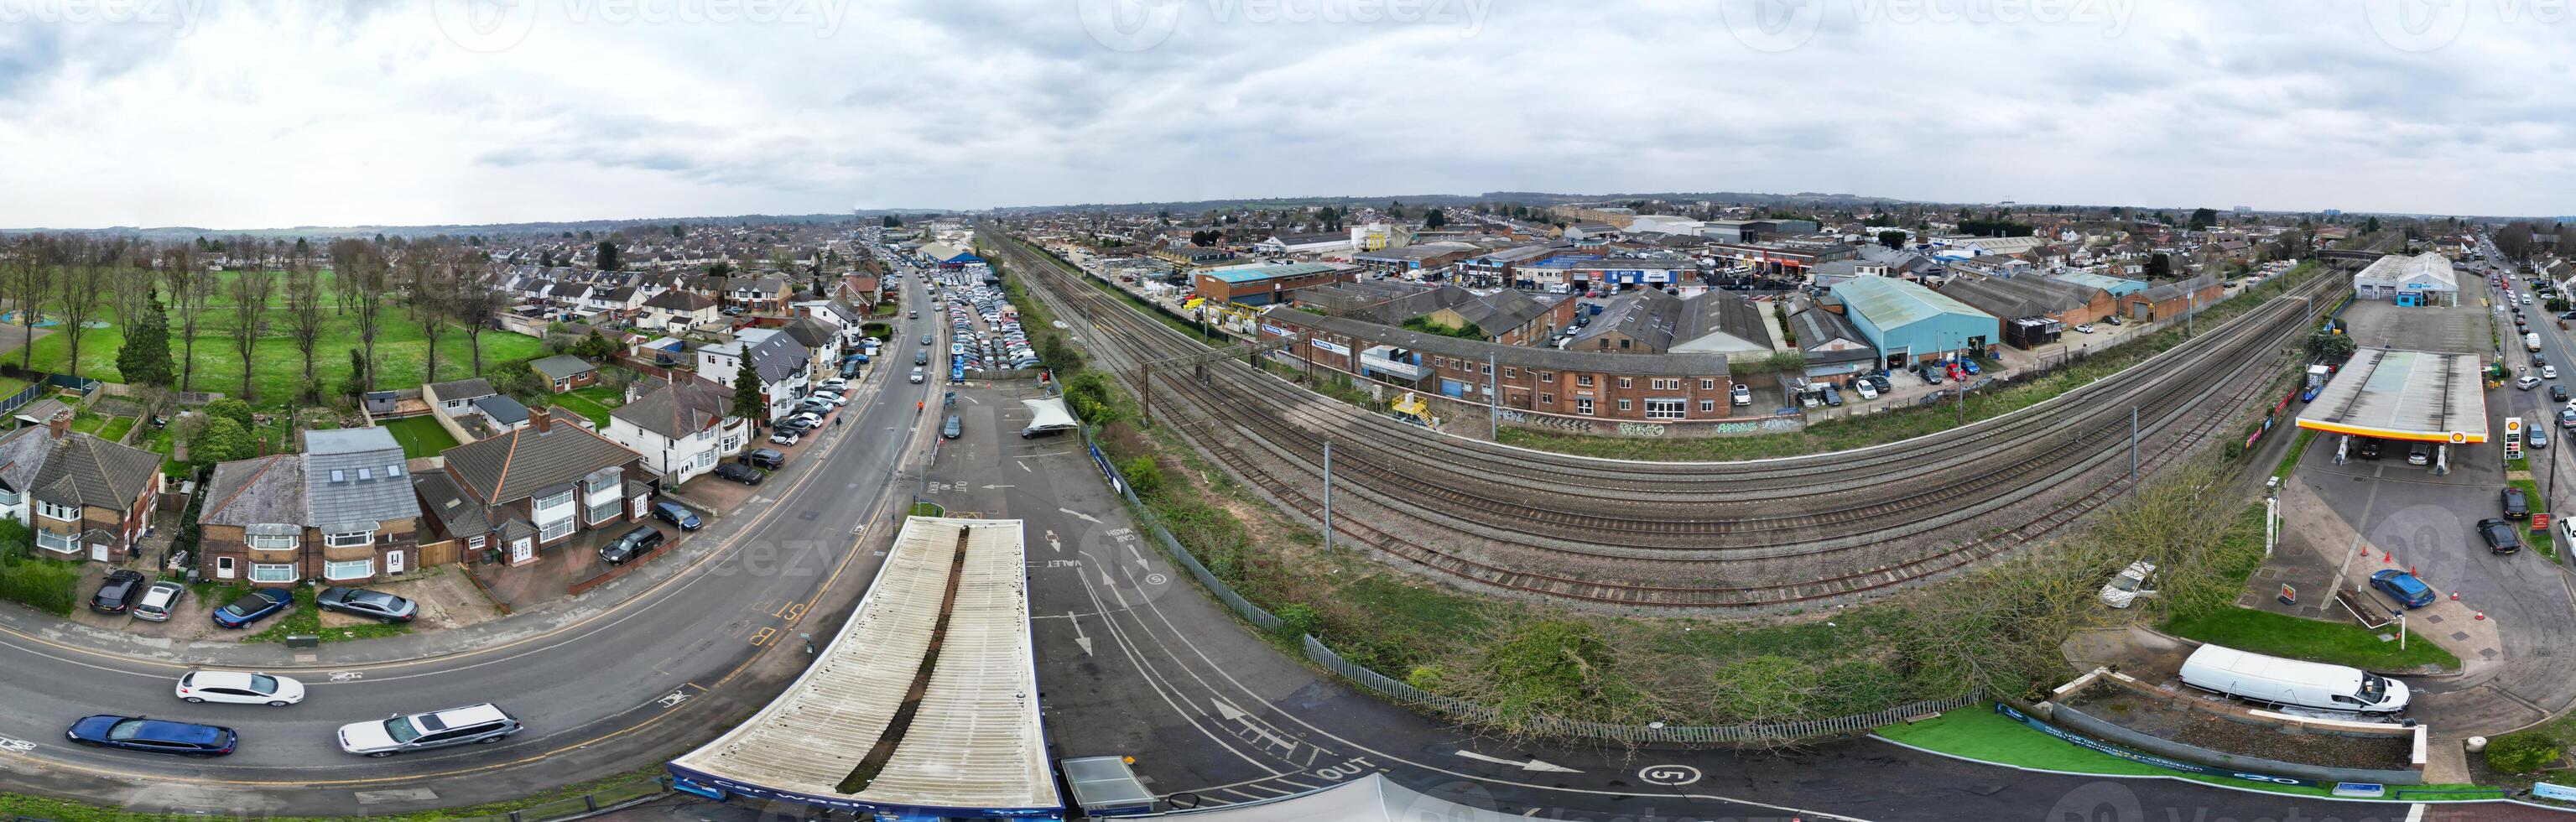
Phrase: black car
{"type": "Point", "coordinates": [2499, 536]}
{"type": "Point", "coordinates": [2369, 448]}
{"type": "Point", "coordinates": [376, 605]}
{"type": "Point", "coordinates": [738, 472]}
{"type": "Point", "coordinates": [677, 515]}
{"type": "Point", "coordinates": [1882, 385]}
{"type": "Point", "coordinates": [951, 429]}
{"type": "Point", "coordinates": [770, 458]}
{"type": "Point", "coordinates": [638, 542]}
{"type": "Point", "coordinates": [2516, 506]}
{"type": "Point", "coordinates": [118, 593]}
{"type": "Point", "coordinates": [136, 733]}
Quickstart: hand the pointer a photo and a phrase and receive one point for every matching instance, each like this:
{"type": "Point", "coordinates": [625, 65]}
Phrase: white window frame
{"type": "Point", "coordinates": [350, 539]}
{"type": "Point", "coordinates": [558, 529]}
{"type": "Point", "coordinates": [1583, 406]}
{"type": "Point", "coordinates": [223, 567]}
{"type": "Point", "coordinates": [273, 571]}
{"type": "Point", "coordinates": [60, 513]}
{"type": "Point", "coordinates": [269, 542]}
{"type": "Point", "coordinates": [1669, 408]}
{"type": "Point", "coordinates": [1708, 406]}
{"type": "Point", "coordinates": [1582, 380]}
{"type": "Point", "coordinates": [68, 543]}
{"type": "Point", "coordinates": [475, 542]}
{"type": "Point", "coordinates": [338, 570]}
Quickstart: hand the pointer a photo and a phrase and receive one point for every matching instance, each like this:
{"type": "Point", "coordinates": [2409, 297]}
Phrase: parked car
{"type": "Point", "coordinates": [1970, 366]}
{"type": "Point", "coordinates": [159, 600]}
{"type": "Point", "coordinates": [2086, 328]}
{"type": "Point", "coordinates": [118, 592]}
{"type": "Point", "coordinates": [259, 604]}
{"type": "Point", "coordinates": [785, 436]}
{"type": "Point", "coordinates": [1865, 390]}
{"type": "Point", "coordinates": [136, 733]}
{"type": "Point", "coordinates": [2527, 383]}
{"type": "Point", "coordinates": [239, 688]}
{"type": "Point", "coordinates": [1833, 396]}
{"type": "Point", "coordinates": [1931, 375]}
{"type": "Point", "coordinates": [2367, 449]}
{"type": "Point", "coordinates": [2124, 590]}
{"type": "Point", "coordinates": [2403, 587]}
{"type": "Point", "coordinates": [2499, 535]}
{"type": "Point", "coordinates": [2418, 453]}
{"type": "Point", "coordinates": [951, 429]}
{"type": "Point", "coordinates": [2115, 320]}
{"type": "Point", "coordinates": [636, 542]}
{"type": "Point", "coordinates": [473, 724]}
{"type": "Point", "coordinates": [376, 605]}
{"type": "Point", "coordinates": [769, 458]}
{"type": "Point", "coordinates": [2274, 681]}
{"type": "Point", "coordinates": [738, 472]}
{"type": "Point", "coordinates": [1883, 385]}
{"type": "Point", "coordinates": [2516, 505]}
{"type": "Point", "coordinates": [679, 516]}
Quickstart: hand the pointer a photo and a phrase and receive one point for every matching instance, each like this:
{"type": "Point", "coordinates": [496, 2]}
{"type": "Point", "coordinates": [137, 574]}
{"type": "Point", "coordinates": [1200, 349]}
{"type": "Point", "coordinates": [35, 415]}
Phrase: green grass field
{"type": "Point", "coordinates": [1977, 732]}
{"type": "Point", "coordinates": [420, 436]}
{"type": "Point", "coordinates": [277, 367]}
{"type": "Point", "coordinates": [2340, 643]}
{"type": "Point", "coordinates": [594, 402]}
{"type": "Point", "coordinates": [115, 429]}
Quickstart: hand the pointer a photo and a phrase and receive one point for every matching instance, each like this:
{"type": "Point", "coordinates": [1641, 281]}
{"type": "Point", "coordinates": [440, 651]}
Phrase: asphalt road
{"type": "Point", "coordinates": [619, 679]}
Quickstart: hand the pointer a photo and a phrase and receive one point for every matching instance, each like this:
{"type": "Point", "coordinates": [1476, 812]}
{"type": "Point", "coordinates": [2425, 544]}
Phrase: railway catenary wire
{"type": "Point", "coordinates": [1271, 470]}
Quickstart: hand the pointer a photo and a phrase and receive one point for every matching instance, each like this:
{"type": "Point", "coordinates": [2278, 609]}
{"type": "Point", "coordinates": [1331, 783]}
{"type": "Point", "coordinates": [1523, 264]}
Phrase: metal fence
{"type": "Point", "coordinates": [1163, 536]}
{"type": "Point", "coordinates": [1695, 734]}
{"type": "Point", "coordinates": [585, 805]}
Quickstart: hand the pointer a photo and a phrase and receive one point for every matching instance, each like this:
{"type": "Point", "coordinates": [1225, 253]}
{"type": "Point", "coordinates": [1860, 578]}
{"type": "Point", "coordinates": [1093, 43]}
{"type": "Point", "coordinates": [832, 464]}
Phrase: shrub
{"type": "Point", "coordinates": [233, 409]}
{"type": "Point", "coordinates": [2522, 752]}
{"type": "Point", "coordinates": [1298, 619]}
{"type": "Point", "coordinates": [1143, 474]}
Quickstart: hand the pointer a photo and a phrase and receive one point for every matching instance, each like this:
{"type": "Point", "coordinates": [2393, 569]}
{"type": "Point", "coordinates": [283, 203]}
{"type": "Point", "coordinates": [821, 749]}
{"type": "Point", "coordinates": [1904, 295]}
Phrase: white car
{"type": "Point", "coordinates": [1741, 394]}
{"type": "Point", "coordinates": [2549, 372]}
{"type": "Point", "coordinates": [785, 437]}
{"type": "Point", "coordinates": [2527, 383]}
{"type": "Point", "coordinates": [833, 397]}
{"type": "Point", "coordinates": [240, 688]}
{"type": "Point", "coordinates": [2131, 584]}
{"type": "Point", "coordinates": [2084, 327]}
{"type": "Point", "coordinates": [1867, 391]}
{"type": "Point", "coordinates": [916, 374]}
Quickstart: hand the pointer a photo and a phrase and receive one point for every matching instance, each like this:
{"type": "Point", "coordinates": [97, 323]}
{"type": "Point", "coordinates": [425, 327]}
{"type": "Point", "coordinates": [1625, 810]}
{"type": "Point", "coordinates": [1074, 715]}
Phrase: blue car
{"type": "Point", "coordinates": [136, 733]}
{"type": "Point", "coordinates": [2403, 587]}
{"type": "Point", "coordinates": [1971, 366]}
{"type": "Point", "coordinates": [677, 514]}
{"type": "Point", "coordinates": [260, 604]}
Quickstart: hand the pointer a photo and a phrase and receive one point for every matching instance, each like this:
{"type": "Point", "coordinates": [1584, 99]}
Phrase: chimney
{"type": "Point", "coordinates": [60, 424]}
{"type": "Point", "coordinates": [541, 418]}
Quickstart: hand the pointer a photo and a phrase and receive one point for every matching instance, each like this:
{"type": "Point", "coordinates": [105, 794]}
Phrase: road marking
{"type": "Point", "coordinates": [1078, 638]}
{"type": "Point", "coordinates": [1054, 543]}
{"type": "Point", "coordinates": [1024, 466]}
{"type": "Point", "coordinates": [998, 487]}
{"type": "Point", "coordinates": [1081, 516]}
{"type": "Point", "coordinates": [1532, 765]}
{"type": "Point", "coordinates": [672, 699]}
{"type": "Point", "coordinates": [763, 636]}
{"type": "Point", "coordinates": [347, 676]}
{"type": "Point", "coordinates": [789, 611]}
{"type": "Point", "coordinates": [16, 745]}
{"type": "Point", "coordinates": [1668, 775]}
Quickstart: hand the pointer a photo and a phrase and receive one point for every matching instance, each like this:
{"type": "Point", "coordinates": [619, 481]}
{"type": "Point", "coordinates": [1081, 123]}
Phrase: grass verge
{"type": "Point", "coordinates": [2338, 643]}
{"type": "Point", "coordinates": [2541, 540]}
{"type": "Point", "coordinates": [305, 619]}
{"type": "Point", "coordinates": [1977, 732]}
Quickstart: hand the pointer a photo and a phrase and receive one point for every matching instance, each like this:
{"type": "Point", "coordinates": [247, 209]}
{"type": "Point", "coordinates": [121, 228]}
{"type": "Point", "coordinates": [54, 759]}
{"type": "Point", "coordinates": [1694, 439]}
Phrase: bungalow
{"type": "Point", "coordinates": [453, 398]}
{"type": "Point", "coordinates": [505, 414]}
{"type": "Point", "coordinates": [566, 372]}
{"type": "Point", "coordinates": [77, 491]}
{"type": "Point", "coordinates": [343, 512]}
{"type": "Point", "coordinates": [533, 488]}
{"type": "Point", "coordinates": [683, 429]}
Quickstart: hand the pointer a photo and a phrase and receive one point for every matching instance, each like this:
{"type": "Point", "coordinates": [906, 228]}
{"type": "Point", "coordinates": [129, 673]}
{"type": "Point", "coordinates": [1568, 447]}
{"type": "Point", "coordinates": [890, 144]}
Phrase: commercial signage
{"type": "Point", "coordinates": [1273, 330]}
{"type": "Point", "coordinates": [2545, 790]}
{"type": "Point", "coordinates": [2151, 759]}
{"type": "Point", "coordinates": [1327, 345]}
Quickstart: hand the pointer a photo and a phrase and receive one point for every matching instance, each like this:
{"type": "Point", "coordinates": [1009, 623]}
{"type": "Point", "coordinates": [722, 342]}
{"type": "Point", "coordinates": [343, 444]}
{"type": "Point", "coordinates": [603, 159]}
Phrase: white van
{"type": "Point", "coordinates": [2531, 341]}
{"type": "Point", "coordinates": [2275, 681]}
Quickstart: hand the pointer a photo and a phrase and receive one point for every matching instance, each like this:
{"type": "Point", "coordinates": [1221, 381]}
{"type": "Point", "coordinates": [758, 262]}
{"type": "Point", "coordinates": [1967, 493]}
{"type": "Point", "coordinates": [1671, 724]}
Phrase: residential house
{"type": "Point", "coordinates": [342, 512]}
{"type": "Point", "coordinates": [757, 295]}
{"type": "Point", "coordinates": [566, 372]}
{"type": "Point", "coordinates": [618, 301]}
{"type": "Point", "coordinates": [783, 365]}
{"type": "Point", "coordinates": [534, 488]}
{"type": "Point", "coordinates": [679, 310]}
{"type": "Point", "coordinates": [504, 413]}
{"type": "Point", "coordinates": [453, 398]}
{"type": "Point", "coordinates": [683, 428]}
{"type": "Point", "coordinates": [84, 496]}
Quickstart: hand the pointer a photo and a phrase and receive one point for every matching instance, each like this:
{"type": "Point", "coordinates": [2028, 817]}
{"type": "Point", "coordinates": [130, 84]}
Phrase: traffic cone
{"type": "Point", "coordinates": [2387, 557]}
{"type": "Point", "coordinates": [2455, 596]}
{"type": "Point", "coordinates": [2482, 615]}
{"type": "Point", "coordinates": [2410, 571]}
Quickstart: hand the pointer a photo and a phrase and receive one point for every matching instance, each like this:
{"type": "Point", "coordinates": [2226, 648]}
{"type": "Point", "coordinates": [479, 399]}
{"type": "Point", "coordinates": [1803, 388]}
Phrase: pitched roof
{"type": "Point", "coordinates": [259, 491]}
{"type": "Point", "coordinates": [455, 510]}
{"type": "Point", "coordinates": [561, 366]}
{"type": "Point", "coordinates": [22, 452]}
{"type": "Point", "coordinates": [680, 301]}
{"type": "Point", "coordinates": [513, 466]}
{"type": "Point", "coordinates": [1889, 302]}
{"type": "Point", "coordinates": [679, 409]}
{"type": "Point", "coordinates": [2019, 296]}
{"type": "Point", "coordinates": [1721, 312]}
{"type": "Point", "coordinates": [1816, 326]}
{"type": "Point", "coordinates": [463, 389]}
{"type": "Point", "coordinates": [354, 477]}
{"type": "Point", "coordinates": [777, 357]}
{"type": "Point", "coordinates": [85, 470]}
{"type": "Point", "coordinates": [812, 333]}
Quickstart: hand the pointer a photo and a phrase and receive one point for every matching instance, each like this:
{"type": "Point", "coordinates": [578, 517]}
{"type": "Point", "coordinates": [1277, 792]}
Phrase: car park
{"type": "Point", "coordinates": [239, 688]}
{"type": "Point", "coordinates": [469, 725]}
{"type": "Point", "coordinates": [636, 542]}
{"type": "Point", "coordinates": [679, 516]}
{"type": "Point", "coordinates": [738, 472]}
{"type": "Point", "coordinates": [118, 592]}
{"type": "Point", "coordinates": [2516, 504]}
{"type": "Point", "coordinates": [951, 429]}
{"type": "Point", "coordinates": [259, 604]}
{"type": "Point", "coordinates": [158, 600]}
{"type": "Point", "coordinates": [2499, 536]}
{"type": "Point", "coordinates": [1865, 390]}
{"type": "Point", "coordinates": [135, 733]}
{"type": "Point", "coordinates": [376, 605]}
{"type": "Point", "coordinates": [2402, 587]}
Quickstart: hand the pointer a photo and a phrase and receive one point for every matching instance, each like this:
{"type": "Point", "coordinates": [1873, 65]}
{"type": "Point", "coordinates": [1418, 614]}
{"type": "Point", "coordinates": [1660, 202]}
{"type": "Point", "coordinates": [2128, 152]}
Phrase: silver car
{"type": "Point", "coordinates": [475, 724]}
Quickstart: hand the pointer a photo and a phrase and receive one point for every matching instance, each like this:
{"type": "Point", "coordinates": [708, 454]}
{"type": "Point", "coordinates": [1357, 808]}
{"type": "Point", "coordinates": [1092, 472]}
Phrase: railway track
{"type": "Point", "coordinates": [1688, 535]}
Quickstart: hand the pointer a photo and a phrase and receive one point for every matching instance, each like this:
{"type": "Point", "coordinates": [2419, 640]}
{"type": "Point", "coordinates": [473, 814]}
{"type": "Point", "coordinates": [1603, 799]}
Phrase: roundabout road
{"type": "Point", "coordinates": [607, 683]}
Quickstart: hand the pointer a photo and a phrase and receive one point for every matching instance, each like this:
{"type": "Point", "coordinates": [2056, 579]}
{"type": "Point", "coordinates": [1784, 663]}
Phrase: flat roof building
{"type": "Point", "coordinates": [1907, 322]}
{"type": "Point", "coordinates": [1267, 284]}
{"type": "Point", "coordinates": [2423, 279]}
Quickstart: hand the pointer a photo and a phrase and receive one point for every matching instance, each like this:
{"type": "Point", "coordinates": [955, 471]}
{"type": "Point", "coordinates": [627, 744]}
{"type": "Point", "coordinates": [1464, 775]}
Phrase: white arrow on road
{"type": "Point", "coordinates": [1233, 714]}
{"type": "Point", "coordinates": [1053, 543]}
{"type": "Point", "coordinates": [997, 487]}
{"type": "Point", "coordinates": [1080, 516]}
{"type": "Point", "coordinates": [1078, 638]}
{"type": "Point", "coordinates": [1532, 765]}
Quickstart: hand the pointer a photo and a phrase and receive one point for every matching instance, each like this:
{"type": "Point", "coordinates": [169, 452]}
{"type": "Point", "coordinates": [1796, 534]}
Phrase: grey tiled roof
{"type": "Point", "coordinates": [85, 470]}
{"type": "Point", "coordinates": [514, 465]}
{"type": "Point", "coordinates": [678, 410]}
{"type": "Point", "coordinates": [682, 301]}
{"type": "Point", "coordinates": [260, 491]}
{"type": "Point", "coordinates": [463, 389]}
{"type": "Point", "coordinates": [812, 333]}
{"type": "Point", "coordinates": [369, 487]}
{"type": "Point", "coordinates": [778, 357]}
{"type": "Point", "coordinates": [455, 510]}
{"type": "Point", "coordinates": [22, 452]}
{"type": "Point", "coordinates": [561, 366]}
{"type": "Point", "coordinates": [502, 409]}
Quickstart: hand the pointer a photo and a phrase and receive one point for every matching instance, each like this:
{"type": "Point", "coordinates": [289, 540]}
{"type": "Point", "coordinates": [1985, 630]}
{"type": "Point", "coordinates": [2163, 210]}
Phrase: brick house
{"type": "Point", "coordinates": [342, 512]}
{"type": "Point", "coordinates": [566, 372]}
{"type": "Point", "coordinates": [682, 428]}
{"type": "Point", "coordinates": [83, 496]}
{"type": "Point", "coordinates": [1641, 387]}
{"type": "Point", "coordinates": [533, 488]}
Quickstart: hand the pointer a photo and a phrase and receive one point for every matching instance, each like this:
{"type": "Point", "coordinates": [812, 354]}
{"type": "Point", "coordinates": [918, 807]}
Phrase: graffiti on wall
{"type": "Point", "coordinates": [1640, 429]}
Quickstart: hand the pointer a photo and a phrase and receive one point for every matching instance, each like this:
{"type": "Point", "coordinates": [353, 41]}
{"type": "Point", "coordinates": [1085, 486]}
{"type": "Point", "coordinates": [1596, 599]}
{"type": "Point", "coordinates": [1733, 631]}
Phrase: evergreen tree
{"type": "Point", "coordinates": [607, 257]}
{"type": "Point", "coordinates": [144, 358]}
{"type": "Point", "coordinates": [746, 394]}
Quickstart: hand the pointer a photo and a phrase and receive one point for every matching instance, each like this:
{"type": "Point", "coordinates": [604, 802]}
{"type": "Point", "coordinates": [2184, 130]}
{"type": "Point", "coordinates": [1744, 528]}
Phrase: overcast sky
{"type": "Point", "coordinates": [475, 111]}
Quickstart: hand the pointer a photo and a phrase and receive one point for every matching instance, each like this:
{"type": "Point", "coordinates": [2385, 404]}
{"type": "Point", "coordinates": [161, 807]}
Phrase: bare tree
{"type": "Point", "coordinates": [31, 282]}
{"type": "Point", "coordinates": [370, 278]}
{"type": "Point", "coordinates": [81, 298]}
{"type": "Point", "coordinates": [473, 300]}
{"type": "Point", "coordinates": [304, 318]}
{"type": "Point", "coordinates": [251, 291]}
{"type": "Point", "coordinates": [191, 288]}
{"type": "Point", "coordinates": [130, 281]}
{"type": "Point", "coordinates": [431, 284]}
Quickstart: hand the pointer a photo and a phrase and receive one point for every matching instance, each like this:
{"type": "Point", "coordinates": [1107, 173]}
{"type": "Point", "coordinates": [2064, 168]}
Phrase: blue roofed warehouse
{"type": "Point", "coordinates": [1907, 322]}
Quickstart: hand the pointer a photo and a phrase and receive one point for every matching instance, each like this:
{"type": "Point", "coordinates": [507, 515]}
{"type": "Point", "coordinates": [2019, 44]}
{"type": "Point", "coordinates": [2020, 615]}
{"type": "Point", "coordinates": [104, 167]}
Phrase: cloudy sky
{"type": "Point", "coordinates": [176, 112]}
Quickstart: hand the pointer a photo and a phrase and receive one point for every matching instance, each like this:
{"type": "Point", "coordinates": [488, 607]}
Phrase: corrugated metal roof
{"type": "Point", "coordinates": [1890, 303]}
{"type": "Point", "coordinates": [1269, 272]}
